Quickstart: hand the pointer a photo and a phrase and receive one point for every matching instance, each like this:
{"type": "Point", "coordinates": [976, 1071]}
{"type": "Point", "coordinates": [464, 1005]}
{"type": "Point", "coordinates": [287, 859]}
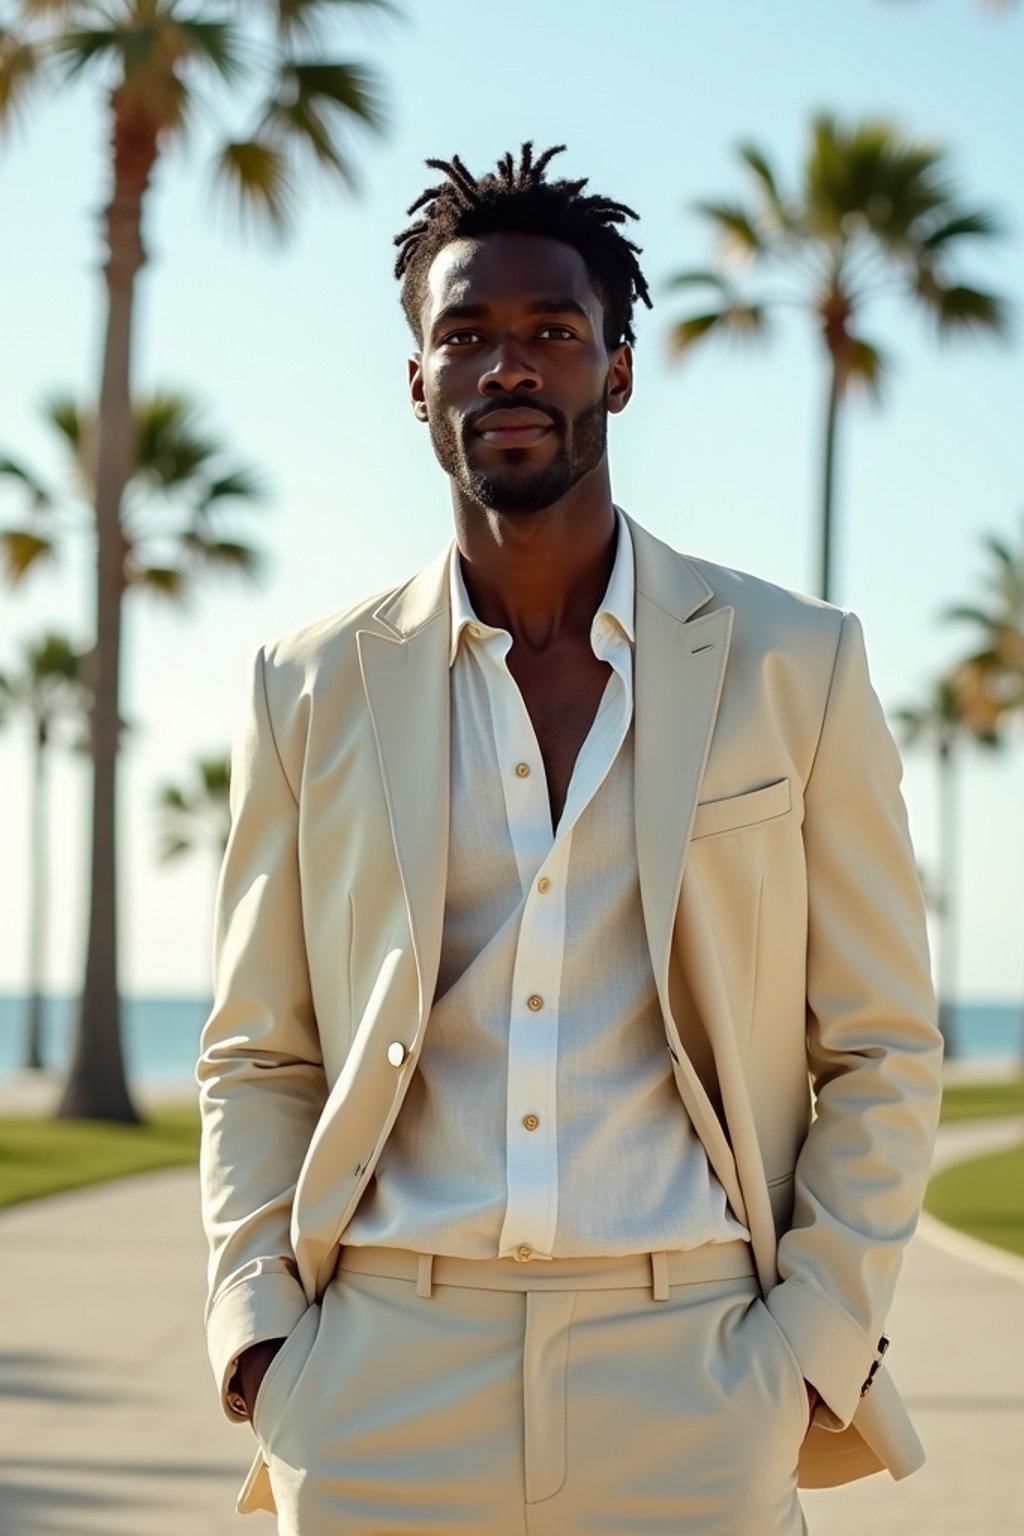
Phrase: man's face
{"type": "Point", "coordinates": [515, 380]}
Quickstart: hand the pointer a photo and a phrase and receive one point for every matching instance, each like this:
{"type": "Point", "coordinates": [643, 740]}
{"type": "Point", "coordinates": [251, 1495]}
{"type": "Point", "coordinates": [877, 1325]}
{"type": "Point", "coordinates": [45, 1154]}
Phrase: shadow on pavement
{"type": "Point", "coordinates": [50, 1497]}
{"type": "Point", "coordinates": [34, 1376]}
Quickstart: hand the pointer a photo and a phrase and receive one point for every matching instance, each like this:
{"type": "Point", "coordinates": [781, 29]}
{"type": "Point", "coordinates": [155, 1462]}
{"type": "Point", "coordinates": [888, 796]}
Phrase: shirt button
{"type": "Point", "coordinates": [397, 1053]}
{"type": "Point", "coordinates": [531, 1122]}
{"type": "Point", "coordinates": [535, 1003]}
{"type": "Point", "coordinates": [522, 770]}
{"type": "Point", "coordinates": [523, 1253]}
{"type": "Point", "coordinates": [543, 885]}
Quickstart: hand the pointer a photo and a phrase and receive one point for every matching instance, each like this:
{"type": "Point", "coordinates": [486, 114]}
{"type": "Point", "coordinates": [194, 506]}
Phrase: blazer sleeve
{"type": "Point", "coordinates": [874, 1050]}
{"type": "Point", "coordinates": [260, 1070]}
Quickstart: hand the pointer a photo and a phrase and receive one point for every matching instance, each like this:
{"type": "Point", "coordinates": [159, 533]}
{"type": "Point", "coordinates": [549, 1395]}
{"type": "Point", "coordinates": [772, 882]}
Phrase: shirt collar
{"type": "Point", "coordinates": [618, 604]}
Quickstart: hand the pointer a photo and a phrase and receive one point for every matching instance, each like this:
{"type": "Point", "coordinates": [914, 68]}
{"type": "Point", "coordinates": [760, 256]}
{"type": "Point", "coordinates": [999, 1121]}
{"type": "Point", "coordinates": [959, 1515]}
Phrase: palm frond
{"type": "Point", "coordinates": [1000, 550]}
{"type": "Point", "coordinates": [980, 222]}
{"type": "Point", "coordinates": [958, 309]}
{"type": "Point", "coordinates": [171, 798]}
{"type": "Point", "coordinates": [162, 580]}
{"type": "Point", "coordinates": [216, 43]}
{"type": "Point", "coordinates": [941, 716]}
{"type": "Point", "coordinates": [967, 614]}
{"type": "Point", "coordinates": [79, 48]}
{"type": "Point", "coordinates": [685, 334]}
{"type": "Point", "coordinates": [21, 551]}
{"type": "Point", "coordinates": [698, 278]}
{"type": "Point", "coordinates": [54, 655]}
{"type": "Point", "coordinates": [302, 18]}
{"type": "Point", "coordinates": [744, 321]}
{"type": "Point", "coordinates": [237, 484]}
{"type": "Point", "coordinates": [172, 847]}
{"type": "Point", "coordinates": [767, 185]}
{"type": "Point", "coordinates": [255, 172]}
{"type": "Point", "coordinates": [866, 365]}
{"type": "Point", "coordinates": [43, 10]}
{"type": "Point", "coordinates": [311, 104]}
{"type": "Point", "coordinates": [39, 497]}
{"type": "Point", "coordinates": [215, 773]}
{"type": "Point", "coordinates": [22, 68]}
{"type": "Point", "coordinates": [63, 413]}
{"type": "Point", "coordinates": [226, 554]}
{"type": "Point", "coordinates": [169, 448]}
{"type": "Point", "coordinates": [147, 42]}
{"type": "Point", "coordinates": [872, 176]}
{"type": "Point", "coordinates": [987, 693]}
{"type": "Point", "coordinates": [737, 231]}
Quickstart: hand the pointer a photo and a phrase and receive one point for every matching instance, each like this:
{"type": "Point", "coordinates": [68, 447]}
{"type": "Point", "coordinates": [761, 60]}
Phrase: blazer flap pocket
{"type": "Point", "coordinates": [717, 816]}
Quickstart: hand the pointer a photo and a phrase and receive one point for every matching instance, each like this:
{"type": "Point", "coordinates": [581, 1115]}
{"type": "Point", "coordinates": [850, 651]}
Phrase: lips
{"type": "Point", "coordinates": [513, 429]}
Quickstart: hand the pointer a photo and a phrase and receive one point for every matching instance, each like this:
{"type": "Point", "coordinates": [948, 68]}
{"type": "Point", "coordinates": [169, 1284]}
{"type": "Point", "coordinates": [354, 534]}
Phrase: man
{"type": "Point", "coordinates": [558, 878]}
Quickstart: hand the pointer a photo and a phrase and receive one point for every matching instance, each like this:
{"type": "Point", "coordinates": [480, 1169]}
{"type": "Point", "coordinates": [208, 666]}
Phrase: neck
{"type": "Point", "coordinates": [540, 575]}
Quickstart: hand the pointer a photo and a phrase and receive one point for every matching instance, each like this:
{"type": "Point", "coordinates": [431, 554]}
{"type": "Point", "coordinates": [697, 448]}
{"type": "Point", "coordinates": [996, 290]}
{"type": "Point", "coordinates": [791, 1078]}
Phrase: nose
{"type": "Point", "coordinates": [509, 369]}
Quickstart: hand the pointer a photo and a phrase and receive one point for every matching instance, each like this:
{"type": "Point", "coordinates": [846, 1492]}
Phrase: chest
{"type": "Point", "coordinates": [562, 694]}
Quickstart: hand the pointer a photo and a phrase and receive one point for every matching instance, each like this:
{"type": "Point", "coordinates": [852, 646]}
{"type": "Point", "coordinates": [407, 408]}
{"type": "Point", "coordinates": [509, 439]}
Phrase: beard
{"type": "Point", "coordinates": [513, 486]}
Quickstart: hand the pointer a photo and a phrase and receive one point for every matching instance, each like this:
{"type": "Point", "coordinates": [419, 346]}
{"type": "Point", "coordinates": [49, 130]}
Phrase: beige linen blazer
{"type": "Point", "coordinates": [786, 930]}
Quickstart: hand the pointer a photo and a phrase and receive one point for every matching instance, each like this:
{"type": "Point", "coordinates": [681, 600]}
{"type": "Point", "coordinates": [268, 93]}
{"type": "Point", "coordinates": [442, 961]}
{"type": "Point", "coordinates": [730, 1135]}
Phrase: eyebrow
{"type": "Point", "coordinates": [559, 304]}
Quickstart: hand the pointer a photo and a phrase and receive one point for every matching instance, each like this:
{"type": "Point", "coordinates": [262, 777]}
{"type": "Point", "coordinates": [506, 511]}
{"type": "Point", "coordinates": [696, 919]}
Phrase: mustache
{"type": "Point", "coordinates": [513, 403]}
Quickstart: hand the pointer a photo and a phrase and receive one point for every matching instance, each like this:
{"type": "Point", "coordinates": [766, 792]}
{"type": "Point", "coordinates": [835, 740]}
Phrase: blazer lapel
{"type": "Point", "coordinates": [680, 664]}
{"type": "Point", "coordinates": [406, 681]}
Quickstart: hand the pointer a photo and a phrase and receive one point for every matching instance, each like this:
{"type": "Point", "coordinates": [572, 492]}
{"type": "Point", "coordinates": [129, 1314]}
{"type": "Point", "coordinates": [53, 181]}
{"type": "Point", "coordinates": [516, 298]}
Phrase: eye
{"type": "Point", "coordinates": [557, 333]}
{"type": "Point", "coordinates": [460, 339]}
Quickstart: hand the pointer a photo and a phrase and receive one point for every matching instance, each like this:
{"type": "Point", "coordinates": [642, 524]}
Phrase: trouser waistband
{"type": "Point", "coordinates": [657, 1270]}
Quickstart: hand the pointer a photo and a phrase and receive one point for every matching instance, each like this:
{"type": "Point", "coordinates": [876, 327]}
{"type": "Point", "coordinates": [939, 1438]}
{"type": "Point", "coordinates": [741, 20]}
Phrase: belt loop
{"type": "Point", "coordinates": [659, 1276]}
{"type": "Point", "coordinates": [424, 1275]}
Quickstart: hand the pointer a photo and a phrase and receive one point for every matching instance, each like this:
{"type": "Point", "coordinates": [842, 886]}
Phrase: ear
{"type": "Point", "coordinates": [620, 379]}
{"type": "Point", "coordinates": [419, 404]}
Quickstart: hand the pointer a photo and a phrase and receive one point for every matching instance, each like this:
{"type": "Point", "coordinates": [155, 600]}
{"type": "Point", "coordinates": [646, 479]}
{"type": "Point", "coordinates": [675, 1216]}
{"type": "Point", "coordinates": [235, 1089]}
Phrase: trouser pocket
{"type": "Point", "coordinates": [282, 1375]}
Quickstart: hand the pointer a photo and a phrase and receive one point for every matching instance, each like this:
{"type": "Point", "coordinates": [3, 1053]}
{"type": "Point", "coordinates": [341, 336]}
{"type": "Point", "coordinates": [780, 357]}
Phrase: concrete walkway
{"type": "Point", "coordinates": [109, 1425]}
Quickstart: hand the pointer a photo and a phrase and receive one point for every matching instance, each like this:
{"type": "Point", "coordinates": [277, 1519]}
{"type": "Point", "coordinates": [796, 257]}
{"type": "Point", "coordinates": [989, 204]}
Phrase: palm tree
{"type": "Point", "coordinates": [196, 816]}
{"type": "Point", "coordinates": [957, 710]}
{"type": "Point", "coordinates": [155, 62]}
{"type": "Point", "coordinates": [999, 622]}
{"type": "Point", "coordinates": [50, 691]}
{"type": "Point", "coordinates": [175, 510]}
{"type": "Point", "coordinates": [171, 530]}
{"type": "Point", "coordinates": [877, 214]}
{"type": "Point", "coordinates": [996, 664]}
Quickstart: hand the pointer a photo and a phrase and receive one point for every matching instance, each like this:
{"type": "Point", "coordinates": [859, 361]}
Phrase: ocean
{"type": "Point", "coordinates": [161, 1035]}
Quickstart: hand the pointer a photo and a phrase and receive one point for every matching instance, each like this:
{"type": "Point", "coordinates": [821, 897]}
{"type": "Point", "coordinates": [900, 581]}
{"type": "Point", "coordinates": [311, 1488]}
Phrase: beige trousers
{"type": "Point", "coordinates": [593, 1397]}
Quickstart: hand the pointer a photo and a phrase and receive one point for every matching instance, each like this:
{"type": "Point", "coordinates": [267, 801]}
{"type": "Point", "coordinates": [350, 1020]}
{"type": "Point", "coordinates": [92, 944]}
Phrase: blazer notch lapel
{"type": "Point", "coordinates": [407, 694]}
{"type": "Point", "coordinates": [679, 672]}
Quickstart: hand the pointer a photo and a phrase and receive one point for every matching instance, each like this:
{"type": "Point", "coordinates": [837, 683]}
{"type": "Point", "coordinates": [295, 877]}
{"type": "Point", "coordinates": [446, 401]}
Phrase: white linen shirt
{"type": "Point", "coordinates": [598, 1153]}
{"type": "Point", "coordinates": [542, 855]}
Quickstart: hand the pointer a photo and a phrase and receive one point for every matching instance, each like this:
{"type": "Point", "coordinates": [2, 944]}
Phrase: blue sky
{"type": "Point", "coordinates": [298, 354]}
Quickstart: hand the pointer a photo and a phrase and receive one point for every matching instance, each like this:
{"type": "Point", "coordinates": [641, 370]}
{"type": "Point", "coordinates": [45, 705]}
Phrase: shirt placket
{"type": "Point", "coordinates": [531, 1129]}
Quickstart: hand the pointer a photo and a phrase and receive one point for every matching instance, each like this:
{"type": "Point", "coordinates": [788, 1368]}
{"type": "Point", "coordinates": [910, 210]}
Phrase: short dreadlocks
{"type": "Point", "coordinates": [519, 200]}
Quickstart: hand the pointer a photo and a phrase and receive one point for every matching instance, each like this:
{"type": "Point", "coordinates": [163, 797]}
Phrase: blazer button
{"type": "Point", "coordinates": [397, 1053]}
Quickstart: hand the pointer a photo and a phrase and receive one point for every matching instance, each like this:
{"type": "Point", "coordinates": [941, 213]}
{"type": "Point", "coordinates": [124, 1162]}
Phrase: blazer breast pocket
{"type": "Point", "coordinates": [716, 818]}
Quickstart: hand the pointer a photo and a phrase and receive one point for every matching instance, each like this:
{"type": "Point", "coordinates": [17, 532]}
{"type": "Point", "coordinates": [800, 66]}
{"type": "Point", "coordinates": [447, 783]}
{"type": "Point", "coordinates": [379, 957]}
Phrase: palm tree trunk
{"type": "Point", "coordinates": [97, 1087]}
{"type": "Point", "coordinates": [828, 486]}
{"type": "Point", "coordinates": [948, 944]}
{"type": "Point", "coordinates": [37, 905]}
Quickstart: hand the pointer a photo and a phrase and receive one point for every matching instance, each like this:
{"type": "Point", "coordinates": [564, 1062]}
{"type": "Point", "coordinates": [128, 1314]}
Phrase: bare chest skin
{"type": "Point", "coordinates": [561, 691]}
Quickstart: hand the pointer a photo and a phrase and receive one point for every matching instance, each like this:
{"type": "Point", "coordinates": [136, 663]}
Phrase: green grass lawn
{"type": "Point", "coordinates": [980, 1101]}
{"type": "Point", "coordinates": [984, 1198]}
{"type": "Point", "coordinates": [42, 1156]}
{"type": "Point", "coordinates": [39, 1156]}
